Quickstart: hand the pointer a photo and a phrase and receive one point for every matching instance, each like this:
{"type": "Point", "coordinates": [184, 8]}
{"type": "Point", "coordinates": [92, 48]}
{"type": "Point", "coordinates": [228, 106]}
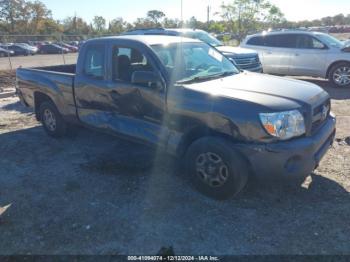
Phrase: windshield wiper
{"type": "Point", "coordinates": [207, 77]}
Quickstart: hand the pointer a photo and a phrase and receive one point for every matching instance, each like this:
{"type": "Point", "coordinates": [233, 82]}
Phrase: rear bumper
{"type": "Point", "coordinates": [295, 158]}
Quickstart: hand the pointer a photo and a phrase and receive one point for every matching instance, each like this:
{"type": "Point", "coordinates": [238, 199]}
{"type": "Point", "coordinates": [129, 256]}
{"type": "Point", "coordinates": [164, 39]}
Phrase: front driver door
{"type": "Point", "coordinates": [140, 107]}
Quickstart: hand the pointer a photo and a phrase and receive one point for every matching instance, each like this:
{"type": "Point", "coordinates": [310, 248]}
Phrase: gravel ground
{"type": "Point", "coordinates": [91, 193]}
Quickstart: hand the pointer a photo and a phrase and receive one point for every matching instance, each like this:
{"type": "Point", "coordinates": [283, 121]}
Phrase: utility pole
{"type": "Point", "coordinates": [208, 14]}
{"type": "Point", "coordinates": [182, 17]}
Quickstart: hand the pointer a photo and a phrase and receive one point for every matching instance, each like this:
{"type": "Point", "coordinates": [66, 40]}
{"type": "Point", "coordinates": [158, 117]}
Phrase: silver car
{"type": "Point", "coordinates": [302, 53]}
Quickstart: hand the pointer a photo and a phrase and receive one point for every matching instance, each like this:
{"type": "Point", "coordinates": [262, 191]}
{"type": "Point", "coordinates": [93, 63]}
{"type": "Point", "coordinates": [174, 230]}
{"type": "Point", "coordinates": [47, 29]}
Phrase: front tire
{"type": "Point", "coordinates": [339, 75]}
{"type": "Point", "coordinates": [52, 120]}
{"type": "Point", "coordinates": [216, 169]}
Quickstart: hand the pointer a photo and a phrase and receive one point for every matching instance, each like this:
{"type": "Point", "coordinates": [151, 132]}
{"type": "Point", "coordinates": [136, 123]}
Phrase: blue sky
{"type": "Point", "coordinates": [131, 9]}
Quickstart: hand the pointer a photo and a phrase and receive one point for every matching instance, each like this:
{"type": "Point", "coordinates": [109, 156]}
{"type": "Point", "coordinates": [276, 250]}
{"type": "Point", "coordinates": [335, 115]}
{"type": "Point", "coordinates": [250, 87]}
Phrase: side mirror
{"type": "Point", "coordinates": [145, 78]}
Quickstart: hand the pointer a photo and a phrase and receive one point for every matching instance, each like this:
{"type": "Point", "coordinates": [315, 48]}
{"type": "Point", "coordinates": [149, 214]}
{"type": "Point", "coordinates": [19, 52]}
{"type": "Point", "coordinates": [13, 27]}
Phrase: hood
{"type": "Point", "coordinates": [275, 93]}
{"type": "Point", "coordinates": [235, 50]}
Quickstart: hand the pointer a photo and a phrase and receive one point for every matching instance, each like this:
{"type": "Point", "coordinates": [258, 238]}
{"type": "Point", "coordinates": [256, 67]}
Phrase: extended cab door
{"type": "Point", "coordinates": [108, 99]}
{"type": "Point", "coordinates": [141, 105]}
{"type": "Point", "coordinates": [91, 86]}
{"type": "Point", "coordinates": [309, 57]}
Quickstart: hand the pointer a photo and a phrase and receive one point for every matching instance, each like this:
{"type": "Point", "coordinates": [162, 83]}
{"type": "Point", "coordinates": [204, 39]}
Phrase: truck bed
{"type": "Point", "coordinates": [56, 82]}
{"type": "Point", "coordinates": [69, 69]}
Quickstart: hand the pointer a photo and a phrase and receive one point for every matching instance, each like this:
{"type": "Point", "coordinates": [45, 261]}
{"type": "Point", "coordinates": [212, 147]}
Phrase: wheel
{"type": "Point", "coordinates": [52, 120]}
{"type": "Point", "coordinates": [340, 75]}
{"type": "Point", "coordinates": [216, 169]}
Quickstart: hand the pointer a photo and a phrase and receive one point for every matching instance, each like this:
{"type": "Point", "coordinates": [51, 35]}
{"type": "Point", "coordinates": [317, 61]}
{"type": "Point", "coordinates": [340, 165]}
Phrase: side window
{"type": "Point", "coordinates": [317, 44]}
{"type": "Point", "coordinates": [94, 65]}
{"type": "Point", "coordinates": [126, 61]}
{"type": "Point", "coordinates": [257, 41]}
{"type": "Point", "coordinates": [308, 42]}
{"type": "Point", "coordinates": [281, 41]}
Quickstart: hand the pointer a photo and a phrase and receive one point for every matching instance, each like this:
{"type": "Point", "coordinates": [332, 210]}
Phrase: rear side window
{"type": "Point", "coordinates": [281, 41]}
{"type": "Point", "coordinates": [308, 42]}
{"type": "Point", "coordinates": [94, 65]}
{"type": "Point", "coordinates": [257, 40]}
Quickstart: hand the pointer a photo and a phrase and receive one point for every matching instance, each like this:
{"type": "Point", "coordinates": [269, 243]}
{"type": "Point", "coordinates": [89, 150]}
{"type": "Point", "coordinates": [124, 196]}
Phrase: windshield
{"type": "Point", "coordinates": [193, 61]}
{"type": "Point", "coordinates": [203, 36]}
{"type": "Point", "coordinates": [330, 40]}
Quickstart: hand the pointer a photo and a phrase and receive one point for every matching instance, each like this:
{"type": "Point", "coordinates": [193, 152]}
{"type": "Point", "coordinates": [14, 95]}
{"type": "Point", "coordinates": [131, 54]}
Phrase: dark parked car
{"type": "Point", "coordinates": [182, 96]}
{"type": "Point", "coordinates": [20, 50]}
{"type": "Point", "coordinates": [6, 52]}
{"type": "Point", "coordinates": [52, 49]}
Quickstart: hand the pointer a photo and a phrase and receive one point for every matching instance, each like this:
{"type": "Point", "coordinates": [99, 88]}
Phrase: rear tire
{"type": "Point", "coordinates": [339, 75]}
{"type": "Point", "coordinates": [216, 169]}
{"type": "Point", "coordinates": [52, 120]}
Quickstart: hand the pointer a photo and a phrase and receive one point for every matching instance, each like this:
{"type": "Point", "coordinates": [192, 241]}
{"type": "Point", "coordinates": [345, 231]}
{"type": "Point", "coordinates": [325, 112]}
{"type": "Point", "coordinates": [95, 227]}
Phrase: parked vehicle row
{"type": "Point", "coordinates": [6, 52]}
{"type": "Point", "coordinates": [25, 49]}
{"type": "Point", "coordinates": [186, 98]}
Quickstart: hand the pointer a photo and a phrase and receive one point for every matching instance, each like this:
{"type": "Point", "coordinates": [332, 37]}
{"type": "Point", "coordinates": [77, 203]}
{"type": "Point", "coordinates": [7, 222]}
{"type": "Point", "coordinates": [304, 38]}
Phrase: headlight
{"type": "Point", "coordinates": [284, 125]}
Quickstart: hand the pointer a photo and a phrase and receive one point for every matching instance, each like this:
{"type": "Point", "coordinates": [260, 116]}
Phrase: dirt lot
{"type": "Point", "coordinates": [91, 193]}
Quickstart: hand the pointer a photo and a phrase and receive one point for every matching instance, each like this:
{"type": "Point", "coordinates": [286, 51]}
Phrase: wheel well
{"type": "Point", "coordinates": [40, 98]}
{"type": "Point", "coordinates": [333, 64]}
{"type": "Point", "coordinates": [199, 133]}
{"type": "Point", "coordinates": [196, 134]}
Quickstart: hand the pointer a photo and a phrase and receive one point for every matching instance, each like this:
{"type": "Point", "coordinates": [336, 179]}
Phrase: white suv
{"type": "Point", "coordinates": [302, 53]}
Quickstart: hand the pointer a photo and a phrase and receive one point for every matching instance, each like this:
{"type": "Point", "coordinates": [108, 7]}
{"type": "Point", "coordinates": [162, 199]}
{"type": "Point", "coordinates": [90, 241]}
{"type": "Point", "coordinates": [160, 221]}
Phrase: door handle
{"type": "Point", "coordinates": [268, 53]}
{"type": "Point", "coordinates": [297, 54]}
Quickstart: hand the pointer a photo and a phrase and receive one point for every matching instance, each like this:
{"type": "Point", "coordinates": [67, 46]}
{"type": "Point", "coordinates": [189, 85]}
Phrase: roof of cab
{"type": "Point", "coordinates": [150, 39]}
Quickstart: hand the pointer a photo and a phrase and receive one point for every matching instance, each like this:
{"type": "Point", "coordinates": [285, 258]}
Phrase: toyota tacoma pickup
{"type": "Point", "coordinates": [184, 97]}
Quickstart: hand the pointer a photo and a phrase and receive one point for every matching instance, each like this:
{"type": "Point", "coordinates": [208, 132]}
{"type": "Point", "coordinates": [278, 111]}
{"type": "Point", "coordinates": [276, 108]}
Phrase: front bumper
{"type": "Point", "coordinates": [294, 158]}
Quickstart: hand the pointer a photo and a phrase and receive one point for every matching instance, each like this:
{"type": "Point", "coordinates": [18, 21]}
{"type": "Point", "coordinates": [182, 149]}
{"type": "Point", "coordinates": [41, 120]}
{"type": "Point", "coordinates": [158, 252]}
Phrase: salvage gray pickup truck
{"type": "Point", "coordinates": [184, 97]}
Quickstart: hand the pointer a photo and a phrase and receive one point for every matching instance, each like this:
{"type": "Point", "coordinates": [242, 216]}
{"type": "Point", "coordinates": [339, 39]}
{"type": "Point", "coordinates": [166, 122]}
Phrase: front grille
{"type": "Point", "coordinates": [247, 62]}
{"type": "Point", "coordinates": [320, 115]}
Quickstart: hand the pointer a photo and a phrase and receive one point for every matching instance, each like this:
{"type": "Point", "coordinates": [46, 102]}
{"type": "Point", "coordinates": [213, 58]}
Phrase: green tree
{"type": "Point", "coordinates": [75, 26]}
{"type": "Point", "coordinates": [171, 23]}
{"type": "Point", "coordinates": [339, 20]}
{"type": "Point", "coordinates": [11, 12]}
{"type": "Point", "coordinates": [246, 16]}
{"type": "Point", "coordinates": [155, 16]}
{"type": "Point", "coordinates": [142, 23]}
{"type": "Point", "coordinates": [217, 27]}
{"type": "Point", "coordinates": [117, 26]}
{"type": "Point", "coordinates": [99, 24]}
{"type": "Point", "coordinates": [38, 15]}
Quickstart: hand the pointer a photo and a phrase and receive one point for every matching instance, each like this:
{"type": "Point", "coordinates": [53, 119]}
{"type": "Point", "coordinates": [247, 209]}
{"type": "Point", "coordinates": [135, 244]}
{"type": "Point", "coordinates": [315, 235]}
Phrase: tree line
{"type": "Point", "coordinates": [239, 17]}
